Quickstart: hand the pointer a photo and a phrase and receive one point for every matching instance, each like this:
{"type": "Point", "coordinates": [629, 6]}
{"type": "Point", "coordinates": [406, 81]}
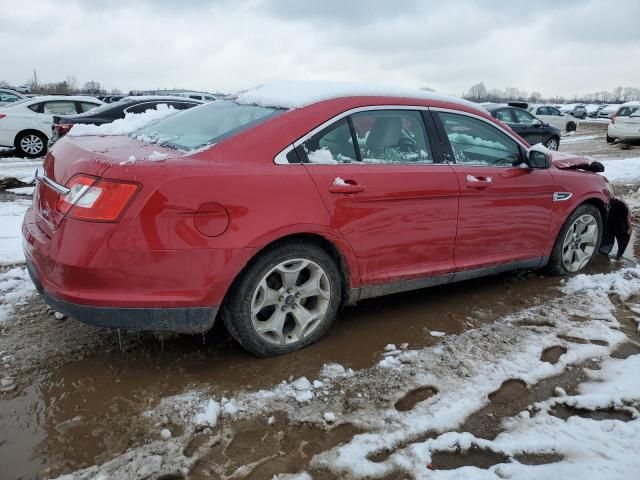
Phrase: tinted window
{"type": "Point", "coordinates": [475, 142]}
{"type": "Point", "coordinates": [59, 108]}
{"type": "Point", "coordinates": [544, 111]}
{"type": "Point", "coordinates": [523, 117]}
{"type": "Point", "coordinates": [333, 144]}
{"type": "Point", "coordinates": [503, 115]}
{"type": "Point", "coordinates": [554, 111]}
{"type": "Point", "coordinates": [391, 136]}
{"type": "Point", "coordinates": [199, 127]}
{"type": "Point", "coordinates": [143, 107]}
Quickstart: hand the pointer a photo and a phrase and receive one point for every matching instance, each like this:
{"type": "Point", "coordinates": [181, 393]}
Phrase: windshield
{"type": "Point", "coordinates": [204, 125]}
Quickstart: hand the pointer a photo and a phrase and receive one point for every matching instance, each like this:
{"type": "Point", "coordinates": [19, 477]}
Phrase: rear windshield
{"type": "Point", "coordinates": [205, 125]}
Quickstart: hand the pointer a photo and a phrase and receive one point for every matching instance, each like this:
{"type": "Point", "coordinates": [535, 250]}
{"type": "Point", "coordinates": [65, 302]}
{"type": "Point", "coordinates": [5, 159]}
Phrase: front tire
{"type": "Point", "coordinates": [553, 143]}
{"type": "Point", "coordinates": [571, 127]}
{"type": "Point", "coordinates": [578, 241]}
{"type": "Point", "coordinates": [31, 144]}
{"type": "Point", "coordinates": [285, 300]}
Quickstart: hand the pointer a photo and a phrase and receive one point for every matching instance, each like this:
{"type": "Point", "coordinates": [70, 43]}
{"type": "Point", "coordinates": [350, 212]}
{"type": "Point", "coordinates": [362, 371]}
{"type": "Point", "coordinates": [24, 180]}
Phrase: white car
{"type": "Point", "coordinates": [625, 123]}
{"type": "Point", "coordinates": [609, 110]}
{"type": "Point", "coordinates": [551, 115]}
{"type": "Point", "coordinates": [8, 96]}
{"type": "Point", "coordinates": [26, 124]}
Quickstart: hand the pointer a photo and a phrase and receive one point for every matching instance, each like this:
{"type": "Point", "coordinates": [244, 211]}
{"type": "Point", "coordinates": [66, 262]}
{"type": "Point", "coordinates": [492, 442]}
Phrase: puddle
{"type": "Point", "coordinates": [508, 392]}
{"type": "Point", "coordinates": [553, 354]}
{"type": "Point", "coordinates": [414, 397]}
{"type": "Point", "coordinates": [474, 457]}
{"type": "Point", "coordinates": [538, 458]}
{"type": "Point", "coordinates": [565, 412]}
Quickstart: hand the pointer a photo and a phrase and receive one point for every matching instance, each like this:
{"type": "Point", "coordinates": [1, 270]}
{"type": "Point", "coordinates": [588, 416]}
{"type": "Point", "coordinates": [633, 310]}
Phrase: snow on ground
{"type": "Point", "coordinates": [296, 94]}
{"type": "Point", "coordinates": [577, 138]}
{"type": "Point", "coordinates": [622, 170]}
{"type": "Point", "coordinates": [22, 190]}
{"type": "Point", "coordinates": [15, 288]}
{"type": "Point", "coordinates": [122, 126]}
{"type": "Point", "coordinates": [464, 370]}
{"type": "Point", "coordinates": [22, 169]}
{"type": "Point", "coordinates": [11, 214]}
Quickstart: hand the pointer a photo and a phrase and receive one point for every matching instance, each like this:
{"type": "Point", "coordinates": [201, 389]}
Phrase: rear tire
{"type": "Point", "coordinates": [285, 300]}
{"type": "Point", "coordinates": [571, 127]}
{"type": "Point", "coordinates": [31, 144]}
{"type": "Point", "coordinates": [578, 241]}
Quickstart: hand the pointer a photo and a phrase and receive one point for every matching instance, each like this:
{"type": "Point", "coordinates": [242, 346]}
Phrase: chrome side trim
{"type": "Point", "coordinates": [562, 196]}
{"type": "Point", "coordinates": [281, 158]}
{"type": "Point", "coordinates": [41, 177]}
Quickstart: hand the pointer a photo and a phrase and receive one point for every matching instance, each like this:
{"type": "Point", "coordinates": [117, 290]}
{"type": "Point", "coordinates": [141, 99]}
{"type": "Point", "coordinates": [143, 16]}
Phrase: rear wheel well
{"type": "Point", "coordinates": [308, 238]}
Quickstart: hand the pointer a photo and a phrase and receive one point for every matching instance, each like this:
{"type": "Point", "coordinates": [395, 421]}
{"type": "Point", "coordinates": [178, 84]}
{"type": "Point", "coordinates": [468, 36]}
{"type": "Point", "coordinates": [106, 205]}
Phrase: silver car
{"type": "Point", "coordinates": [9, 96]}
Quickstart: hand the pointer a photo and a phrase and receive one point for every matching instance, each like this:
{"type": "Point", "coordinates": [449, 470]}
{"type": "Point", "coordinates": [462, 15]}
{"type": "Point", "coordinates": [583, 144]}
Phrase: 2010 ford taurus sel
{"type": "Point", "coordinates": [271, 210]}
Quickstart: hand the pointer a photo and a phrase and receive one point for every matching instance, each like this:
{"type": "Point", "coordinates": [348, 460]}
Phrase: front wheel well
{"type": "Point", "coordinates": [599, 204]}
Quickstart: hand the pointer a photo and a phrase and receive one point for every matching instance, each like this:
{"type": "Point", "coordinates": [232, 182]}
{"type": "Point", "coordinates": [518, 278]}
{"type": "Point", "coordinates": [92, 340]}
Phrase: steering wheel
{"type": "Point", "coordinates": [406, 144]}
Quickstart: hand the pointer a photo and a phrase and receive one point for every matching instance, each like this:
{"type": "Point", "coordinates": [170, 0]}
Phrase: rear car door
{"type": "Point", "coordinates": [505, 209]}
{"type": "Point", "coordinates": [46, 111]}
{"type": "Point", "coordinates": [388, 192]}
{"type": "Point", "coordinates": [627, 122]}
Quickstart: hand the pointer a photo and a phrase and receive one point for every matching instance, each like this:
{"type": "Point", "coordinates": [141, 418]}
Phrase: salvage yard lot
{"type": "Point", "coordinates": [493, 378]}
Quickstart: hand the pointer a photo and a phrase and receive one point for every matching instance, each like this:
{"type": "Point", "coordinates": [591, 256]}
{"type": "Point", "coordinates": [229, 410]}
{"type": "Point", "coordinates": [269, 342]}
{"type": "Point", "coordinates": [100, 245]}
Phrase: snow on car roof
{"type": "Point", "coordinates": [295, 94]}
{"type": "Point", "coordinates": [147, 98]}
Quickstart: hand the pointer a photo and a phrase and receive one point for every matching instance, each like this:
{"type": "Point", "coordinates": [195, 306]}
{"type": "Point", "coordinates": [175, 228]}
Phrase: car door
{"type": "Point", "coordinates": [525, 130]}
{"type": "Point", "coordinates": [531, 127]}
{"type": "Point", "coordinates": [390, 195]}
{"type": "Point", "coordinates": [627, 122]}
{"type": "Point", "coordinates": [505, 209]}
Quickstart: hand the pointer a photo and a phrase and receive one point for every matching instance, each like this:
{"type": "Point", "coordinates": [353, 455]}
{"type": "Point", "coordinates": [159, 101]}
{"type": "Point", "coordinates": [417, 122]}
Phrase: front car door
{"type": "Point", "coordinates": [388, 192]}
{"type": "Point", "coordinates": [505, 209]}
{"type": "Point", "coordinates": [530, 126]}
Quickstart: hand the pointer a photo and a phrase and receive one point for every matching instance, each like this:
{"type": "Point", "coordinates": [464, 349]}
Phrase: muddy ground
{"type": "Point", "coordinates": [80, 392]}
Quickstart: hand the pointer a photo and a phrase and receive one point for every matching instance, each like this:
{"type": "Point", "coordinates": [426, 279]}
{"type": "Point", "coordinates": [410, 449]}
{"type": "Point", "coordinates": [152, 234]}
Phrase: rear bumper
{"type": "Point", "coordinates": [184, 320]}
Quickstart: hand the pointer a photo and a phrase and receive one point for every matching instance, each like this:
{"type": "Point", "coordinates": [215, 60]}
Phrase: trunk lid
{"type": "Point", "coordinates": [88, 155]}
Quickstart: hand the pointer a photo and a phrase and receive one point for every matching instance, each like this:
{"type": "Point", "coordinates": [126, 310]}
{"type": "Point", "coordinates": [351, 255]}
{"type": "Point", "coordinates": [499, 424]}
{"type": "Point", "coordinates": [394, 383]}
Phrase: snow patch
{"type": "Point", "coordinates": [11, 215]}
{"type": "Point", "coordinates": [15, 288]}
{"type": "Point", "coordinates": [123, 126]}
{"type": "Point", "coordinates": [209, 416]}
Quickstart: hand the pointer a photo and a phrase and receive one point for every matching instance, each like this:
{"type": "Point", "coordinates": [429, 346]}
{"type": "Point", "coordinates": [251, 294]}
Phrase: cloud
{"type": "Point", "coordinates": [566, 47]}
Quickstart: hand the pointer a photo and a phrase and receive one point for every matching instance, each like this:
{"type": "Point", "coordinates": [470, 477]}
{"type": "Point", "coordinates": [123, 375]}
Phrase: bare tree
{"type": "Point", "coordinates": [477, 92]}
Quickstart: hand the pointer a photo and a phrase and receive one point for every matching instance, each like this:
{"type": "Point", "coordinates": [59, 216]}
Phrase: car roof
{"type": "Point", "coordinates": [492, 107]}
{"type": "Point", "coordinates": [78, 98]}
{"type": "Point", "coordinates": [292, 94]}
{"type": "Point", "coordinates": [631, 103]}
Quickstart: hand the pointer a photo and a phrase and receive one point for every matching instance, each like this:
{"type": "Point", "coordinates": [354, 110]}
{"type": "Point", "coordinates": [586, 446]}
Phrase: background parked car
{"type": "Point", "coordinates": [609, 110]}
{"type": "Point", "coordinates": [593, 109]}
{"type": "Point", "coordinates": [554, 117]}
{"type": "Point", "coordinates": [625, 123]}
{"type": "Point", "coordinates": [532, 129]}
{"type": "Point", "coordinates": [26, 124]}
{"type": "Point", "coordinates": [576, 110]}
{"type": "Point", "coordinates": [112, 111]}
{"type": "Point", "coordinates": [8, 96]}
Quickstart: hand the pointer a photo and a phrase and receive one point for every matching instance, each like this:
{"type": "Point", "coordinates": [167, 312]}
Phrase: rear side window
{"type": "Point", "coordinates": [503, 115]}
{"type": "Point", "coordinates": [198, 127]}
{"type": "Point", "coordinates": [143, 107]}
{"type": "Point", "coordinates": [86, 106]}
{"type": "Point", "coordinates": [475, 142]}
{"type": "Point", "coordinates": [333, 144]}
{"type": "Point", "coordinates": [8, 97]}
{"type": "Point", "coordinates": [391, 136]}
{"type": "Point", "coordinates": [523, 117]}
{"type": "Point", "coordinates": [59, 108]}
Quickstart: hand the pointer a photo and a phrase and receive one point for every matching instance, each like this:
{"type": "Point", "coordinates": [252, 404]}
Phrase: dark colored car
{"type": "Point", "coordinates": [113, 111]}
{"type": "Point", "coordinates": [529, 127]}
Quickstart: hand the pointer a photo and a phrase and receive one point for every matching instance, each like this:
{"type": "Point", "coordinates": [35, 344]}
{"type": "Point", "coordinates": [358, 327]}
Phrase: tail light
{"type": "Point", "coordinates": [62, 128]}
{"type": "Point", "coordinates": [613, 118]}
{"type": "Point", "coordinates": [2, 115]}
{"type": "Point", "coordinates": [99, 200]}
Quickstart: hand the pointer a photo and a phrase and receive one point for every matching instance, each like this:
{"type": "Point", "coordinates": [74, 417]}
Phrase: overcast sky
{"type": "Point", "coordinates": [557, 47]}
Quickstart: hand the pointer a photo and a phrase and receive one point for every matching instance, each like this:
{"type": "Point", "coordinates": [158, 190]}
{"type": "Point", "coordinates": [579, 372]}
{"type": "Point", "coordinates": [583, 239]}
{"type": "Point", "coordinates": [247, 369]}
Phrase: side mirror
{"type": "Point", "coordinates": [538, 159]}
{"type": "Point", "coordinates": [537, 122]}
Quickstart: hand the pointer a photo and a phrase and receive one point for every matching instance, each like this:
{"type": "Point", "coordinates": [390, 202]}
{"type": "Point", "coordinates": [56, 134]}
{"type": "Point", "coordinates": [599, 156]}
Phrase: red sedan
{"type": "Point", "coordinates": [272, 210]}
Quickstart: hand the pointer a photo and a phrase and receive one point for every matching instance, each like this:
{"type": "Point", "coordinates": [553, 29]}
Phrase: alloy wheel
{"type": "Point", "coordinates": [32, 144]}
{"type": "Point", "coordinates": [552, 144]}
{"type": "Point", "coordinates": [579, 243]}
{"type": "Point", "coordinates": [290, 301]}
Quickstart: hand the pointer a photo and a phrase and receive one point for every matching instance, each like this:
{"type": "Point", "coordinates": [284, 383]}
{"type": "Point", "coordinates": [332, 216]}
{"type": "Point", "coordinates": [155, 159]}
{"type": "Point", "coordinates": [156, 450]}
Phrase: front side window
{"type": "Point", "coordinates": [554, 111]}
{"type": "Point", "coordinates": [8, 97]}
{"type": "Point", "coordinates": [504, 115]}
{"type": "Point", "coordinates": [211, 123]}
{"type": "Point", "coordinates": [59, 108]}
{"type": "Point", "coordinates": [544, 111]}
{"type": "Point", "coordinates": [523, 117]}
{"type": "Point", "coordinates": [391, 136]}
{"type": "Point", "coordinates": [333, 144]}
{"type": "Point", "coordinates": [475, 142]}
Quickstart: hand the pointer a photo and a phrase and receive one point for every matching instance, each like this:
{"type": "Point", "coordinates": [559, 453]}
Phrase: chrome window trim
{"type": "Point", "coordinates": [281, 157]}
